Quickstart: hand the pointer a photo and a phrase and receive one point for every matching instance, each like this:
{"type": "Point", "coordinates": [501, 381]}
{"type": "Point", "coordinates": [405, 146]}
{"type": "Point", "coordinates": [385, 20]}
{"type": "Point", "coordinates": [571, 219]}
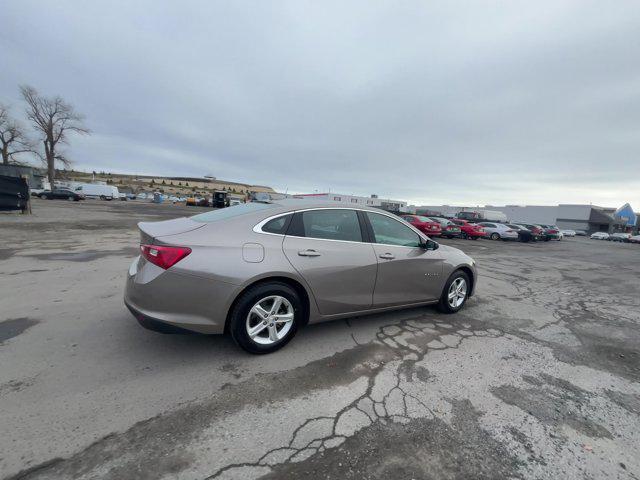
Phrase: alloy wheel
{"type": "Point", "coordinates": [269, 320]}
{"type": "Point", "coordinates": [457, 292]}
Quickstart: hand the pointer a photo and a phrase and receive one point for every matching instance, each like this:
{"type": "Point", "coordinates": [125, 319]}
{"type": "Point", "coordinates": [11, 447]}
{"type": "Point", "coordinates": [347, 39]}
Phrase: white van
{"type": "Point", "coordinates": [103, 192]}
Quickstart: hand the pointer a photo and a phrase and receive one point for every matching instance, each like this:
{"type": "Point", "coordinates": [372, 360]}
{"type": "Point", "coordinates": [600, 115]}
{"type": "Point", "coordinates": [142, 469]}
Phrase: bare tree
{"type": "Point", "coordinates": [13, 139]}
{"type": "Point", "coordinates": [53, 119]}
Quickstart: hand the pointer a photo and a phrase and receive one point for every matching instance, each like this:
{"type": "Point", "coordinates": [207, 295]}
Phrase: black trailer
{"type": "Point", "coordinates": [14, 193]}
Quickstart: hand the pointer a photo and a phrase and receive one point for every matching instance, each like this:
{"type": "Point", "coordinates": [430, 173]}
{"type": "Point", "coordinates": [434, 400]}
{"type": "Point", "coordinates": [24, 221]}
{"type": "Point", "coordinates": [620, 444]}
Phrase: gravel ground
{"type": "Point", "coordinates": [538, 377]}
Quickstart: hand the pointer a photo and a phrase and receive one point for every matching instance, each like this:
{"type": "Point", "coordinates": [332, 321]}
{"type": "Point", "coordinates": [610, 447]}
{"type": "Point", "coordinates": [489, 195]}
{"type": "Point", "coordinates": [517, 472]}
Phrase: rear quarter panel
{"type": "Point", "coordinates": [233, 253]}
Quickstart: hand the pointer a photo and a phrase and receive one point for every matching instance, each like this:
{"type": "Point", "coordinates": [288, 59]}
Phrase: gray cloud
{"type": "Point", "coordinates": [463, 102]}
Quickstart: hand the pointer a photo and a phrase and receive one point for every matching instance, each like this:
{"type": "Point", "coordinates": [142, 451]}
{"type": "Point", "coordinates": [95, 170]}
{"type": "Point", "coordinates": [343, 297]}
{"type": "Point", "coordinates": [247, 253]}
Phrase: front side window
{"type": "Point", "coordinates": [332, 225]}
{"type": "Point", "coordinates": [391, 232]}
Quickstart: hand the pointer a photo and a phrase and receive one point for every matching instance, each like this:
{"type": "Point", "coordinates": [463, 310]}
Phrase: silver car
{"type": "Point", "coordinates": [260, 271]}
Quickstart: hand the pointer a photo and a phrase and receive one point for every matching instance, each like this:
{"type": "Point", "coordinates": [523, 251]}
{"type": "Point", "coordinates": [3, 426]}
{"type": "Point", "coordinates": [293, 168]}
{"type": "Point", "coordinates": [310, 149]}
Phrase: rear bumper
{"type": "Point", "coordinates": [431, 233]}
{"type": "Point", "coordinates": [167, 300]}
{"type": "Point", "coordinates": [509, 236]}
{"type": "Point", "coordinates": [154, 324]}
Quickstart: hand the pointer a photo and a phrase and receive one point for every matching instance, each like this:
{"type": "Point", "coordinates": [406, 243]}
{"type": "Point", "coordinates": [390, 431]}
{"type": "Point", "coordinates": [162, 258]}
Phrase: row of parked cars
{"type": "Point", "coordinates": [457, 227]}
{"type": "Point", "coordinates": [616, 237]}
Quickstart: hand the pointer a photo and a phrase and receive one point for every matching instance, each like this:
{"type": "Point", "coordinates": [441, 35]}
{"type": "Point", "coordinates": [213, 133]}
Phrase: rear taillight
{"type": "Point", "coordinates": [164, 256]}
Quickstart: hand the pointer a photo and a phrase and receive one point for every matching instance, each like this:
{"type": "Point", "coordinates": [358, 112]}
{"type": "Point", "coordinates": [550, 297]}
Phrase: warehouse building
{"type": "Point", "coordinates": [590, 218]}
{"type": "Point", "coordinates": [353, 200]}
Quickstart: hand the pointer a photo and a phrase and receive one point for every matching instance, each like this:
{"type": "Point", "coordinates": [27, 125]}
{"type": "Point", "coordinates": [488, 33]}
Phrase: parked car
{"type": "Point", "coordinates": [62, 194]}
{"type": "Point", "coordinates": [568, 233]}
{"type": "Point", "coordinates": [260, 271]}
{"type": "Point", "coordinates": [581, 233]}
{"type": "Point", "coordinates": [449, 229]}
{"type": "Point", "coordinates": [634, 239]}
{"type": "Point", "coordinates": [424, 224]}
{"type": "Point", "coordinates": [499, 231]}
{"type": "Point", "coordinates": [524, 234]}
{"type": "Point", "coordinates": [600, 236]}
{"type": "Point", "coordinates": [537, 231]}
{"type": "Point", "coordinates": [469, 230]}
{"type": "Point", "coordinates": [620, 237]}
{"type": "Point", "coordinates": [552, 232]}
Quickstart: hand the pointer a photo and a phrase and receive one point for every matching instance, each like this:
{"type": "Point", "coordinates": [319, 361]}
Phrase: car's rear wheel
{"type": "Point", "coordinates": [266, 317]}
{"type": "Point", "coordinates": [70, 198]}
{"type": "Point", "coordinates": [455, 292]}
{"type": "Point", "coordinates": [464, 236]}
{"type": "Point", "coordinates": [495, 236]}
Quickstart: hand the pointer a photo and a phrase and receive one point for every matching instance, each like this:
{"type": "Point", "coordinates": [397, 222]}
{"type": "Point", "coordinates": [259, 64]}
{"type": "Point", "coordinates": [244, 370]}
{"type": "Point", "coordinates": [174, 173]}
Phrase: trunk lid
{"type": "Point", "coordinates": [149, 231]}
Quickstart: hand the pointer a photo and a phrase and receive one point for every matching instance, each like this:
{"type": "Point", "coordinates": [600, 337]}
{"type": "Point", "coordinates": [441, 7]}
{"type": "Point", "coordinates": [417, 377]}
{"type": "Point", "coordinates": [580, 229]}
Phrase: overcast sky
{"type": "Point", "coordinates": [431, 102]}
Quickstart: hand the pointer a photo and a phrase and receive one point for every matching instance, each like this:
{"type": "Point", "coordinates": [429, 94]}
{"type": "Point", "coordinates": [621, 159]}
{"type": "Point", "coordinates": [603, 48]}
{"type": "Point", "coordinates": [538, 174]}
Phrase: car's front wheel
{"type": "Point", "coordinates": [266, 317]}
{"type": "Point", "coordinates": [455, 292]}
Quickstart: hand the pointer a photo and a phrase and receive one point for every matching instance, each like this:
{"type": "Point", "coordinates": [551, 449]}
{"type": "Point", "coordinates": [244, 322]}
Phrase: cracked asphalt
{"type": "Point", "coordinates": [538, 377]}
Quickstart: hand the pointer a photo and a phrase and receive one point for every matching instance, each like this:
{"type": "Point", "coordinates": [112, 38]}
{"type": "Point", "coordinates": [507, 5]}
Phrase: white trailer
{"type": "Point", "coordinates": [103, 192]}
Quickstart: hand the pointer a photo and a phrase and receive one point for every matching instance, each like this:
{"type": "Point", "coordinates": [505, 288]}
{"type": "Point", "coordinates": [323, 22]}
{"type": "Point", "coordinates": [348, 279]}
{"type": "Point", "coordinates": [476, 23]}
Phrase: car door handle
{"type": "Point", "coordinates": [308, 253]}
{"type": "Point", "coordinates": [387, 256]}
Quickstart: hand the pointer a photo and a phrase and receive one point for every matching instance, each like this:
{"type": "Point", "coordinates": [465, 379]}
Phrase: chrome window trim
{"type": "Point", "coordinates": [258, 227]}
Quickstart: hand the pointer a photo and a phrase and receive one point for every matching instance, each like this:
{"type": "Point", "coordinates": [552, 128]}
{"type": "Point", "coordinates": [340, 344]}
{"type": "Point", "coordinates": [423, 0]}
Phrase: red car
{"type": "Point", "coordinates": [470, 230]}
{"type": "Point", "coordinates": [424, 224]}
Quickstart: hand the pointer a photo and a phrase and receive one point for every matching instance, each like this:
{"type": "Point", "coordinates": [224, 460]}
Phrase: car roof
{"type": "Point", "coordinates": [292, 204]}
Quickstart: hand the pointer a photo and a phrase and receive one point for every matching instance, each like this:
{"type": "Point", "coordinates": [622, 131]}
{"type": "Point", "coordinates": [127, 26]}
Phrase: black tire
{"type": "Point", "coordinates": [102, 197]}
{"type": "Point", "coordinates": [238, 317]}
{"type": "Point", "coordinates": [495, 236]}
{"type": "Point", "coordinates": [443, 304]}
{"type": "Point", "coordinates": [43, 197]}
{"type": "Point", "coordinates": [464, 236]}
{"type": "Point", "coordinates": [70, 198]}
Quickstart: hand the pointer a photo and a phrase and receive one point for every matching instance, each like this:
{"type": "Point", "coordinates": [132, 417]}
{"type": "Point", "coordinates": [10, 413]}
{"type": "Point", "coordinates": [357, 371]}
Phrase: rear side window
{"type": "Point", "coordinates": [391, 232]}
{"type": "Point", "coordinates": [277, 225]}
{"type": "Point", "coordinates": [330, 225]}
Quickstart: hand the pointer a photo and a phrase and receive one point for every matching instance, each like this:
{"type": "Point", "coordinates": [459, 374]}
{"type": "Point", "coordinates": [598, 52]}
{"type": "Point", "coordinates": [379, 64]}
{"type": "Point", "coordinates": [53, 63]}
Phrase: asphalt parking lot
{"type": "Point", "coordinates": [538, 377]}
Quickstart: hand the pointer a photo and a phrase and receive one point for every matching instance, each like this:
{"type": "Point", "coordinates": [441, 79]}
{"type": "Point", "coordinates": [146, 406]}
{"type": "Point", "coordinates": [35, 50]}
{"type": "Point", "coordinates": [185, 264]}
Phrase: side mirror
{"type": "Point", "coordinates": [429, 245]}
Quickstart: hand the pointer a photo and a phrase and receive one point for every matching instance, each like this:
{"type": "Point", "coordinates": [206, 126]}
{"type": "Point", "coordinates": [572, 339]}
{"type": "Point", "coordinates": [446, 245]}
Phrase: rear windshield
{"type": "Point", "coordinates": [229, 212]}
